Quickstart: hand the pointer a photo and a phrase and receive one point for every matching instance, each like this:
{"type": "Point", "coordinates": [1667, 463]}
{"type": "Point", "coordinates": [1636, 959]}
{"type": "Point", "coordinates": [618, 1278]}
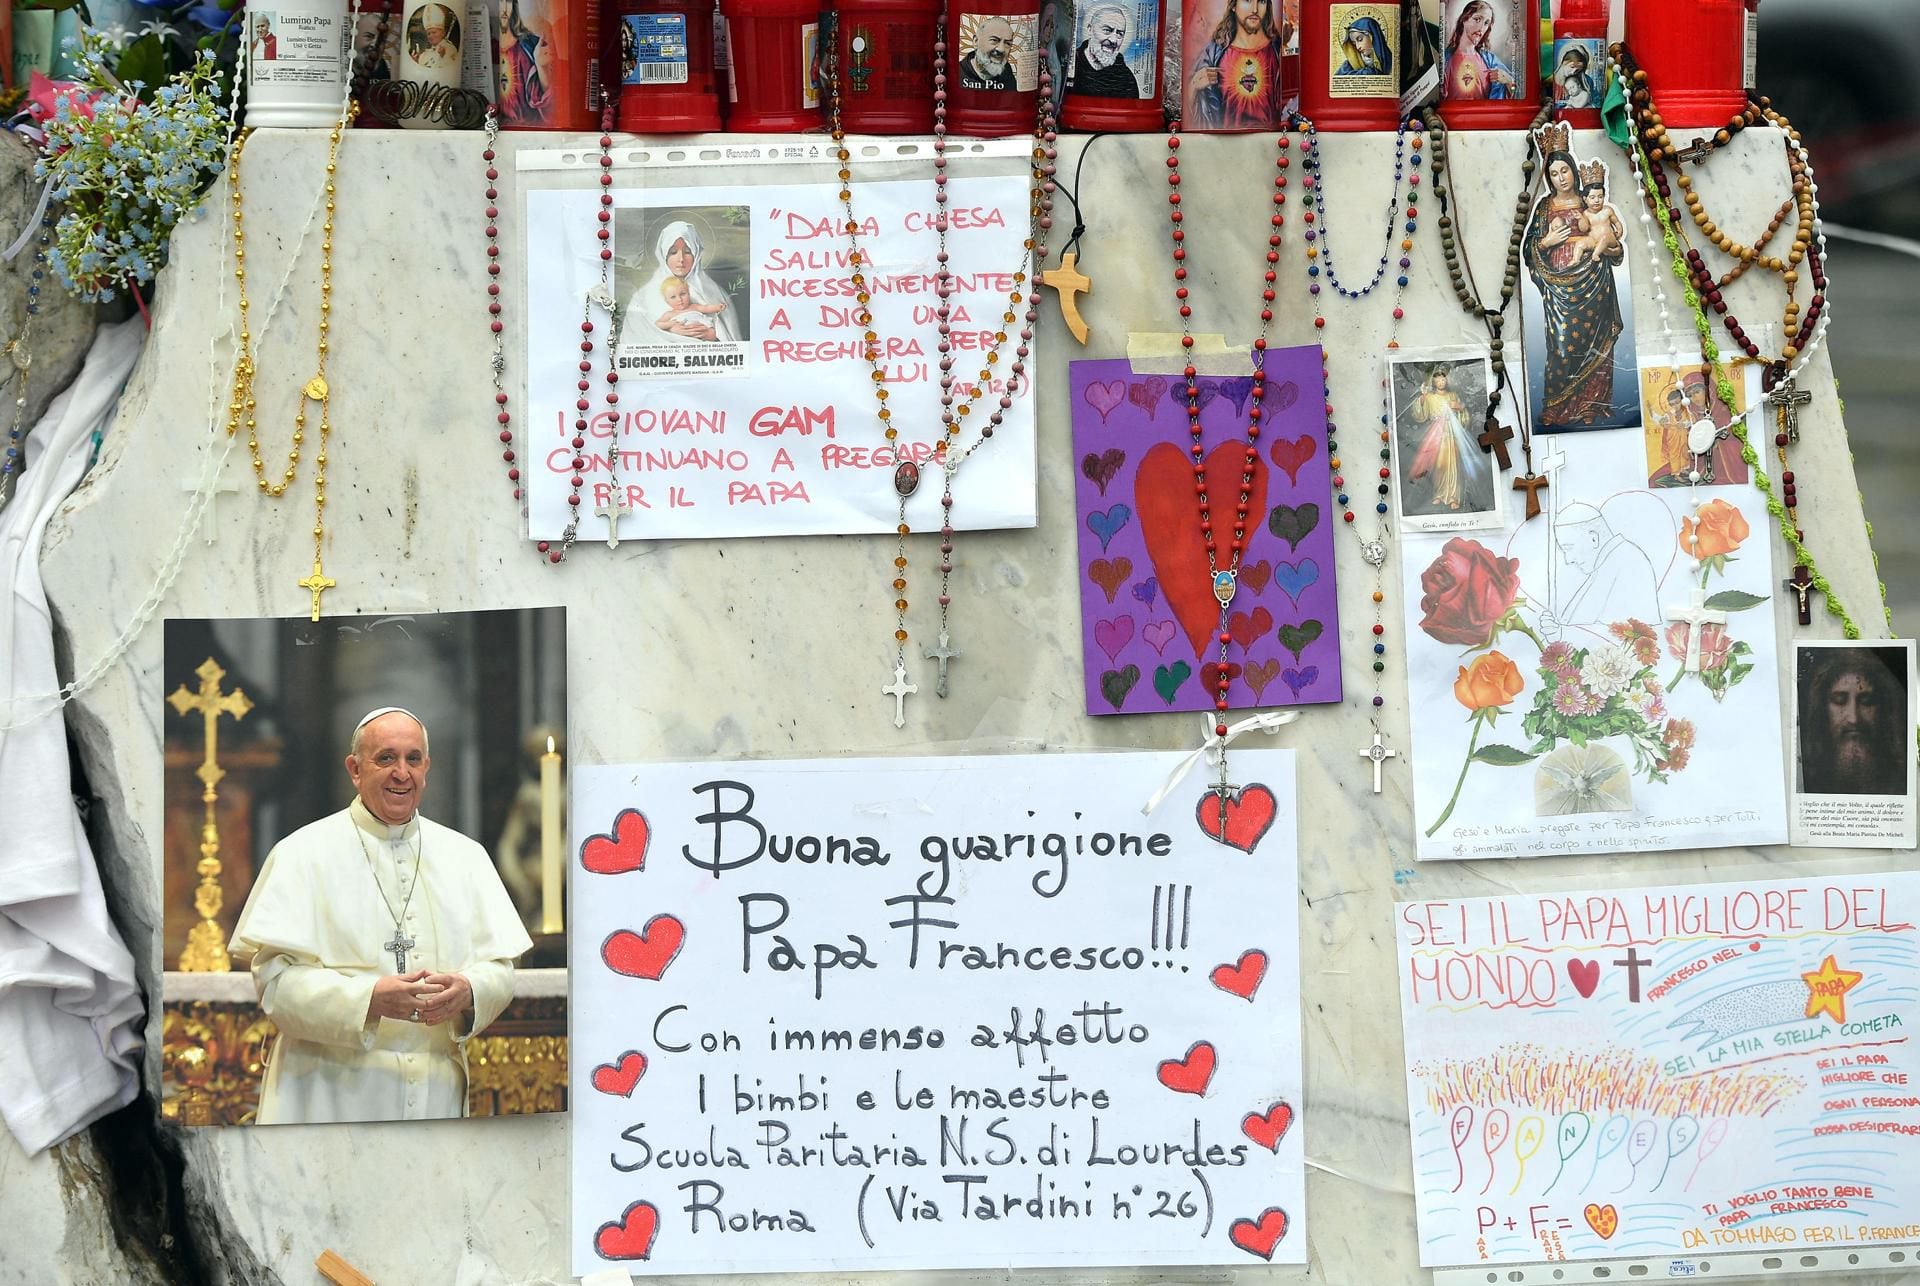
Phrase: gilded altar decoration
{"type": "Point", "coordinates": [206, 949]}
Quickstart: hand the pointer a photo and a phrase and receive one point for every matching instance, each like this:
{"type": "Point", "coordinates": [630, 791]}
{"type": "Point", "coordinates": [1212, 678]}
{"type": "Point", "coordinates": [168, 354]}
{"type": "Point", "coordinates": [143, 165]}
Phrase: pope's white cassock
{"type": "Point", "coordinates": [316, 923]}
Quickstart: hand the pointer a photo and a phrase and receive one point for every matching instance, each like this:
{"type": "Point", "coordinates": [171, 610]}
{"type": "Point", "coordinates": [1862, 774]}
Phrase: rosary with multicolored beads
{"type": "Point", "coordinates": [1320, 270]}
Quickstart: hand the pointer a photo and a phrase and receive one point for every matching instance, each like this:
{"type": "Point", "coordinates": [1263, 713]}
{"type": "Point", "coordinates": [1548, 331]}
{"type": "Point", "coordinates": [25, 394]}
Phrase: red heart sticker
{"type": "Point", "coordinates": [632, 1236]}
{"type": "Point", "coordinates": [621, 1075]}
{"type": "Point", "coordinates": [1585, 975]}
{"type": "Point", "coordinates": [645, 954]}
{"type": "Point", "coordinates": [1268, 1128]}
{"type": "Point", "coordinates": [621, 850]}
{"type": "Point", "coordinates": [1259, 1236]}
{"type": "Point", "coordinates": [1250, 812]}
{"type": "Point", "coordinates": [1242, 979]}
{"type": "Point", "coordinates": [1189, 1075]}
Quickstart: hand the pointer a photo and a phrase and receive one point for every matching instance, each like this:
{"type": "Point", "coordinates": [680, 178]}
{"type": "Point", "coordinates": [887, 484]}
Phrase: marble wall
{"type": "Point", "coordinates": [709, 649]}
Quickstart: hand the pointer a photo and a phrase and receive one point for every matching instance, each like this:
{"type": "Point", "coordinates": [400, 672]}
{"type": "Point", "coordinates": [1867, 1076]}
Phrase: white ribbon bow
{"type": "Point", "coordinates": [1215, 746]}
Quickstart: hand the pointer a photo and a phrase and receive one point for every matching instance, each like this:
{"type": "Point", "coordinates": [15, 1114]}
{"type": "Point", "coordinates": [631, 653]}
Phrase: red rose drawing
{"type": "Point", "coordinates": [1466, 591]}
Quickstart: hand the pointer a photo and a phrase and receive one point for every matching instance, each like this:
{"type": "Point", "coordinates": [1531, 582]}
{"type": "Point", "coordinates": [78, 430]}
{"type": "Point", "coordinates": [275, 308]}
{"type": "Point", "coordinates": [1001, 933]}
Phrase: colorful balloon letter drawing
{"type": "Point", "coordinates": [934, 1013]}
{"type": "Point", "coordinates": [1649, 1072]}
{"type": "Point", "coordinates": [1147, 605]}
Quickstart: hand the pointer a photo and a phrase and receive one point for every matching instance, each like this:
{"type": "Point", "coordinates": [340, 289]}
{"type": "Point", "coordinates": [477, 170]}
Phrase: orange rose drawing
{"type": "Point", "coordinates": [1490, 682]}
{"type": "Point", "coordinates": [1711, 536]}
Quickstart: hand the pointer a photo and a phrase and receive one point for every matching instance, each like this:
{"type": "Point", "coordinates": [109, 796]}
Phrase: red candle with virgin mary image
{"type": "Point", "coordinates": [1350, 61]}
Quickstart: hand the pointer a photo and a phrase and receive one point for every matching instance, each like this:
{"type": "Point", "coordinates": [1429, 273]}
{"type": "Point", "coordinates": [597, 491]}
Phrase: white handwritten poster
{"type": "Point", "coordinates": [935, 1013]}
{"type": "Point", "coordinates": [747, 406]}
{"type": "Point", "coordinates": [1653, 1072]}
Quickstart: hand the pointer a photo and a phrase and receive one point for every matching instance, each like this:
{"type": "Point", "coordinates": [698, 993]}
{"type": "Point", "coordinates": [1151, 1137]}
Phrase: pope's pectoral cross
{"type": "Point", "coordinates": [317, 584]}
{"type": "Point", "coordinates": [1801, 583]}
{"type": "Point", "coordinates": [1069, 282]}
{"type": "Point", "coordinates": [399, 944]}
{"type": "Point", "coordinates": [899, 690]}
{"type": "Point", "coordinates": [942, 654]}
{"type": "Point", "coordinates": [1786, 400]}
{"type": "Point", "coordinates": [1494, 438]}
{"type": "Point", "coordinates": [1697, 616]}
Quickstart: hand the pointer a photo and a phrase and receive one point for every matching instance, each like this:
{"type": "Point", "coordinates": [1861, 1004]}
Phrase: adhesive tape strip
{"type": "Point", "coordinates": [615, 1276]}
{"type": "Point", "coordinates": [1160, 352]}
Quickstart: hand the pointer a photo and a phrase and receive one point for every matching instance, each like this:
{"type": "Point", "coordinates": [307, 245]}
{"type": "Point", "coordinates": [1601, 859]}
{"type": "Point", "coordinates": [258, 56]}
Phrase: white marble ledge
{"type": "Point", "coordinates": [702, 649]}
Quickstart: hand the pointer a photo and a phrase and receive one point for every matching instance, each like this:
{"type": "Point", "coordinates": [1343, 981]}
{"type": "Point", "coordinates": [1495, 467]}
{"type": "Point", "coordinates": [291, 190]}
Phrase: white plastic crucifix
{"type": "Point", "coordinates": [1696, 615]}
{"type": "Point", "coordinates": [208, 480]}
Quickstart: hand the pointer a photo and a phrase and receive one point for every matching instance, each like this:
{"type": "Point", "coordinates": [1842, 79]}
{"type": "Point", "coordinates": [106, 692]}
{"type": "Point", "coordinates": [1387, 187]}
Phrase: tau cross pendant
{"type": "Point", "coordinates": [399, 944]}
{"type": "Point", "coordinates": [942, 654]}
{"type": "Point", "coordinates": [899, 690]}
{"type": "Point", "coordinates": [1069, 281]}
{"type": "Point", "coordinates": [1533, 484]}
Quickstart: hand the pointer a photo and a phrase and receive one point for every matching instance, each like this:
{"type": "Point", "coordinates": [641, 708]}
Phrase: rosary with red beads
{"type": "Point", "coordinates": [1225, 578]}
{"type": "Point", "coordinates": [601, 296]}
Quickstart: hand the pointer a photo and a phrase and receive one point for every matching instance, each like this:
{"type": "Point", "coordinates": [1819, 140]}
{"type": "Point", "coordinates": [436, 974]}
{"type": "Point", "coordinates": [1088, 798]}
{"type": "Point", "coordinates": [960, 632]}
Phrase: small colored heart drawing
{"type": "Point", "coordinates": [1246, 628]}
{"type": "Point", "coordinates": [1298, 638]}
{"type": "Point", "coordinates": [1204, 392]}
{"type": "Point", "coordinates": [1100, 469]}
{"type": "Point", "coordinates": [1259, 1236]}
{"type": "Point", "coordinates": [1753, 946]}
{"type": "Point", "coordinates": [1146, 394]}
{"type": "Point", "coordinates": [1304, 677]}
{"type": "Point", "coordinates": [1168, 678]}
{"type": "Point", "coordinates": [1237, 391]}
{"type": "Point", "coordinates": [1159, 634]}
{"type": "Point", "coordinates": [1250, 811]}
{"type": "Point", "coordinates": [1256, 575]}
{"type": "Point", "coordinates": [1210, 674]}
{"type": "Point", "coordinates": [1242, 978]}
{"type": "Point", "coordinates": [1269, 1127]}
{"type": "Point", "coordinates": [1585, 975]}
{"type": "Point", "coordinates": [1115, 684]}
{"type": "Point", "coordinates": [1294, 523]}
{"type": "Point", "coordinates": [1109, 524]}
{"type": "Point", "coordinates": [1103, 397]}
{"type": "Point", "coordinates": [621, 1075]}
{"type": "Point", "coordinates": [1147, 590]}
{"type": "Point", "coordinates": [1296, 578]}
{"type": "Point", "coordinates": [1189, 1075]}
{"type": "Point", "coordinates": [1110, 576]}
{"type": "Point", "coordinates": [1289, 456]}
{"type": "Point", "coordinates": [622, 849]}
{"type": "Point", "coordinates": [645, 954]}
{"type": "Point", "coordinates": [1281, 396]}
{"type": "Point", "coordinates": [1113, 634]}
{"type": "Point", "coordinates": [1260, 674]}
{"type": "Point", "coordinates": [630, 1236]}
{"type": "Point", "coordinates": [1604, 1220]}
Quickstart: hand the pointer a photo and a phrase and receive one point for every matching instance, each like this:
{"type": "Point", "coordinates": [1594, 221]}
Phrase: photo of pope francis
{"type": "Point", "coordinates": [381, 943]}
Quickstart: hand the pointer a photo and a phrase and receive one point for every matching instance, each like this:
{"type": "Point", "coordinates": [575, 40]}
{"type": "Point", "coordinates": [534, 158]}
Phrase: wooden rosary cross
{"type": "Point", "coordinates": [1697, 152]}
{"type": "Point", "coordinates": [1494, 438]}
{"type": "Point", "coordinates": [1801, 583]}
{"type": "Point", "coordinates": [1068, 281]}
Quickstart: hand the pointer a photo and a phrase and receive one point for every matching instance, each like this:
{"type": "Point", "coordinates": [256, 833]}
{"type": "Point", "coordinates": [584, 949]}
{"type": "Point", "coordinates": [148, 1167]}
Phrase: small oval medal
{"type": "Point", "coordinates": [906, 478]}
{"type": "Point", "coordinates": [1224, 587]}
{"type": "Point", "coordinates": [1374, 552]}
{"type": "Point", "coordinates": [316, 389]}
{"type": "Point", "coordinates": [1700, 436]}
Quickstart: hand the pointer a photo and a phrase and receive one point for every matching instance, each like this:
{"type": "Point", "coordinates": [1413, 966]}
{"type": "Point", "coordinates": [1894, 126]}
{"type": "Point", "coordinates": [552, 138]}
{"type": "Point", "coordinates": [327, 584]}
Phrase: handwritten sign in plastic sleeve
{"type": "Point", "coordinates": [747, 405]}
{"type": "Point", "coordinates": [934, 1013]}
{"type": "Point", "coordinates": [1653, 1072]}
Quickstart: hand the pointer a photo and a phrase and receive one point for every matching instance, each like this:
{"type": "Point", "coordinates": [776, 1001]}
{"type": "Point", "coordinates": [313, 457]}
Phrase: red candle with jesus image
{"type": "Point", "coordinates": [1241, 64]}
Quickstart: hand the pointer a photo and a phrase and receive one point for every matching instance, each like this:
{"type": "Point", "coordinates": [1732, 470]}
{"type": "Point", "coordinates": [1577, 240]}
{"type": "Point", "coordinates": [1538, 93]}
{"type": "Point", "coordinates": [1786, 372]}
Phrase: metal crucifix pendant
{"type": "Point", "coordinates": [399, 944]}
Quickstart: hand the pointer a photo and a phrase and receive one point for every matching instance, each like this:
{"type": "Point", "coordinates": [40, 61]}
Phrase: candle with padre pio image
{"type": "Point", "coordinates": [1113, 73]}
{"type": "Point", "coordinates": [552, 843]}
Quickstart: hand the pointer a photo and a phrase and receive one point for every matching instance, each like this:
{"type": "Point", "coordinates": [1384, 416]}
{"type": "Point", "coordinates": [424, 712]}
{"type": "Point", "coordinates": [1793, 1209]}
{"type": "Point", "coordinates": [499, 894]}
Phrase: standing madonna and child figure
{"type": "Point", "coordinates": [1572, 248]}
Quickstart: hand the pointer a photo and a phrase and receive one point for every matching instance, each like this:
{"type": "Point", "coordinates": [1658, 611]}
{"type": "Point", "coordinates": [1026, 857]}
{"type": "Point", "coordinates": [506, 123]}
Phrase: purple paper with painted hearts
{"type": "Point", "coordinates": [1150, 623]}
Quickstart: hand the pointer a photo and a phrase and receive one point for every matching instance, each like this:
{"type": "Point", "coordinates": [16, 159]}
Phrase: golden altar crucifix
{"type": "Point", "coordinates": [206, 949]}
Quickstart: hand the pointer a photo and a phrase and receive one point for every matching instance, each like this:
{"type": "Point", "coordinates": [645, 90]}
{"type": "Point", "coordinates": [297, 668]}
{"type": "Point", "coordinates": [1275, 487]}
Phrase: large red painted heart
{"type": "Point", "coordinates": [1585, 975]}
{"type": "Point", "coordinates": [631, 1237]}
{"type": "Point", "coordinates": [1191, 1074]}
{"type": "Point", "coordinates": [623, 849]}
{"type": "Point", "coordinates": [1289, 456]}
{"type": "Point", "coordinates": [1249, 816]}
{"type": "Point", "coordinates": [1269, 1127]}
{"type": "Point", "coordinates": [1259, 1236]}
{"type": "Point", "coordinates": [621, 1075]}
{"type": "Point", "coordinates": [645, 954]}
{"type": "Point", "coordinates": [1170, 521]}
{"type": "Point", "coordinates": [1242, 979]}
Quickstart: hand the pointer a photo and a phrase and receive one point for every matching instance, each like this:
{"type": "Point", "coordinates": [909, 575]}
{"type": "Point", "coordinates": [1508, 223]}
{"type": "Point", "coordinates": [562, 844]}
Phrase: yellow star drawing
{"type": "Point", "coordinates": [1827, 989]}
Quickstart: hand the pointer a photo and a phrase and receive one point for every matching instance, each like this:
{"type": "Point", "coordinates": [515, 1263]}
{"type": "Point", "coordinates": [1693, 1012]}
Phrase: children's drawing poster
{"type": "Point", "coordinates": [747, 405]}
{"type": "Point", "coordinates": [1581, 682]}
{"type": "Point", "coordinates": [1149, 620]}
{"type": "Point", "coordinates": [1651, 1072]}
{"type": "Point", "coordinates": [929, 1013]}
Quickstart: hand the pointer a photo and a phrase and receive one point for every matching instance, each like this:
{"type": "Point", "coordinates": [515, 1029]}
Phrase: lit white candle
{"type": "Point", "coordinates": [552, 842]}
